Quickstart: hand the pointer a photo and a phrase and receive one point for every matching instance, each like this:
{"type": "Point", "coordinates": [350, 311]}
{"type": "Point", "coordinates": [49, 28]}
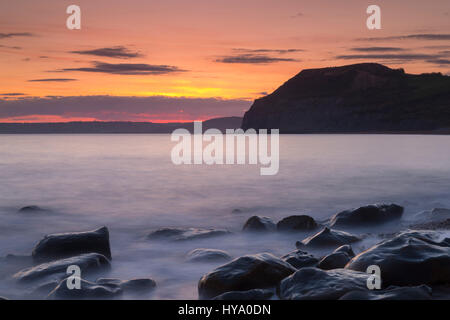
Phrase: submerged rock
{"type": "Point", "coordinates": [182, 234]}
{"type": "Point", "coordinates": [62, 245]}
{"type": "Point", "coordinates": [88, 290]}
{"type": "Point", "coordinates": [328, 238]}
{"type": "Point", "coordinates": [257, 223]}
{"type": "Point", "coordinates": [207, 255]}
{"type": "Point", "coordinates": [367, 215]}
{"type": "Point", "coordinates": [337, 259]}
{"type": "Point", "coordinates": [254, 294]}
{"type": "Point", "coordinates": [297, 223]}
{"type": "Point", "coordinates": [133, 285]}
{"type": "Point", "coordinates": [317, 284]}
{"type": "Point", "coordinates": [410, 258]}
{"type": "Point", "coordinates": [300, 259]}
{"type": "Point", "coordinates": [57, 269]}
{"type": "Point", "coordinates": [244, 273]}
{"type": "Point", "coordinates": [392, 293]}
{"type": "Point", "coordinates": [32, 209]}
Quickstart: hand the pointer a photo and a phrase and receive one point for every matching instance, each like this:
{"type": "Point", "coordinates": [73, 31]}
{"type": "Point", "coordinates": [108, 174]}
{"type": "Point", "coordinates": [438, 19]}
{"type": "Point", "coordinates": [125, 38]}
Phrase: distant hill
{"type": "Point", "coordinates": [365, 97]}
{"type": "Point", "coordinates": [115, 127]}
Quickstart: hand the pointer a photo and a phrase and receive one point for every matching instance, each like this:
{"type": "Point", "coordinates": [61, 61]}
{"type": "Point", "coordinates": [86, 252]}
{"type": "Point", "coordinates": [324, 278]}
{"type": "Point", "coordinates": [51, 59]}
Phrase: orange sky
{"type": "Point", "coordinates": [195, 43]}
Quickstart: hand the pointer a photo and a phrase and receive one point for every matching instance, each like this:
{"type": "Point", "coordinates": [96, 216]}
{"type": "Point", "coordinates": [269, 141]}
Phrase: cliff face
{"type": "Point", "coordinates": [366, 97]}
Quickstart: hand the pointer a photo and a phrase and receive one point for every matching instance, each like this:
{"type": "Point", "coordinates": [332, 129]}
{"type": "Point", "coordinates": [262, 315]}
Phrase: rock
{"type": "Point", "coordinates": [31, 209]}
{"type": "Point", "coordinates": [3, 298]}
{"type": "Point", "coordinates": [346, 248]}
{"type": "Point", "coordinates": [440, 214]}
{"type": "Point", "coordinates": [433, 225]}
{"type": "Point", "coordinates": [244, 273]}
{"type": "Point", "coordinates": [89, 262]}
{"type": "Point", "coordinates": [256, 223]}
{"type": "Point", "coordinates": [182, 234]}
{"type": "Point", "coordinates": [207, 255]}
{"type": "Point", "coordinates": [297, 223]}
{"type": "Point", "coordinates": [410, 258]}
{"type": "Point", "coordinates": [317, 284]}
{"type": "Point", "coordinates": [337, 259]}
{"type": "Point", "coordinates": [62, 245]}
{"type": "Point", "coordinates": [44, 289]}
{"type": "Point", "coordinates": [300, 259]}
{"type": "Point", "coordinates": [254, 294]}
{"type": "Point", "coordinates": [367, 215]}
{"type": "Point", "coordinates": [88, 290]}
{"type": "Point", "coordinates": [328, 238]}
{"type": "Point", "coordinates": [392, 293]}
{"type": "Point", "coordinates": [133, 285]}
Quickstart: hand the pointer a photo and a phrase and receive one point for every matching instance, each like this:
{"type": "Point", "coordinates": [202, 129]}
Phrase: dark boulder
{"type": "Point", "coordinates": [133, 285]}
{"type": "Point", "coordinates": [410, 258]}
{"type": "Point", "coordinates": [88, 290]}
{"type": "Point", "coordinates": [244, 273]}
{"type": "Point", "coordinates": [337, 259]}
{"type": "Point", "coordinates": [346, 248]}
{"type": "Point", "coordinates": [328, 238]}
{"type": "Point", "coordinates": [89, 262]}
{"type": "Point", "coordinates": [207, 255]}
{"type": "Point", "coordinates": [300, 259]}
{"type": "Point", "coordinates": [367, 215]}
{"type": "Point", "coordinates": [297, 223]}
{"type": "Point", "coordinates": [62, 245]}
{"type": "Point", "coordinates": [392, 293]}
{"type": "Point", "coordinates": [317, 284]}
{"type": "Point", "coordinates": [254, 294]}
{"type": "Point", "coordinates": [182, 234]}
{"type": "Point", "coordinates": [256, 223]}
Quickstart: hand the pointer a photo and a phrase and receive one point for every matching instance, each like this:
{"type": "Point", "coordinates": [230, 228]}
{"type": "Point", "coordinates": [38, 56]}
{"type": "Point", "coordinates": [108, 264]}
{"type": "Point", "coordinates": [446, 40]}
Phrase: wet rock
{"type": "Point", "coordinates": [88, 290]}
{"type": "Point", "coordinates": [257, 223]}
{"type": "Point", "coordinates": [337, 259]}
{"type": "Point", "coordinates": [328, 238]}
{"type": "Point", "coordinates": [62, 245]}
{"type": "Point", "coordinates": [433, 225]}
{"type": "Point", "coordinates": [300, 259]}
{"type": "Point", "coordinates": [254, 294]}
{"type": "Point", "coordinates": [367, 215]}
{"type": "Point", "coordinates": [247, 272]}
{"type": "Point", "coordinates": [182, 234]}
{"type": "Point", "coordinates": [392, 293]}
{"type": "Point", "coordinates": [3, 298]}
{"type": "Point", "coordinates": [43, 290]}
{"type": "Point", "coordinates": [207, 255]}
{"type": "Point", "coordinates": [317, 284]}
{"type": "Point", "coordinates": [32, 209]}
{"type": "Point", "coordinates": [410, 258]}
{"type": "Point", "coordinates": [297, 223]}
{"type": "Point", "coordinates": [346, 249]}
{"type": "Point", "coordinates": [133, 285]}
{"type": "Point", "coordinates": [89, 262]}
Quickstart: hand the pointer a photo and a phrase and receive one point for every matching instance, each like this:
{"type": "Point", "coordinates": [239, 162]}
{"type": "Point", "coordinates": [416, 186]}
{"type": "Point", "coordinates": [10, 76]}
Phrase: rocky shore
{"type": "Point", "coordinates": [414, 263]}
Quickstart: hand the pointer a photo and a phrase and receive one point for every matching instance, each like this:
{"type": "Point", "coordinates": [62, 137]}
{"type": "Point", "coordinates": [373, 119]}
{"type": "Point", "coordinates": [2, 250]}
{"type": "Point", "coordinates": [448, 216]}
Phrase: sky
{"type": "Point", "coordinates": [179, 60]}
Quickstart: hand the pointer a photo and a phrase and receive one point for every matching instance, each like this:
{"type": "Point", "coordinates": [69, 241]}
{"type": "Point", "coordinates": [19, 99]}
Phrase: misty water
{"type": "Point", "coordinates": [129, 184]}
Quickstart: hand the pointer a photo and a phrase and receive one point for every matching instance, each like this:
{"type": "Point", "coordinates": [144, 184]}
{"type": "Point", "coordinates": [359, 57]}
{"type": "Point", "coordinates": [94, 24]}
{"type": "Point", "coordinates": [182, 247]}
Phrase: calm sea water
{"type": "Point", "coordinates": [128, 183]}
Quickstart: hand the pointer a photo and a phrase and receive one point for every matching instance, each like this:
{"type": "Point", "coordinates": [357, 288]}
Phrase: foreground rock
{"type": "Point", "coordinates": [317, 284]}
{"type": "Point", "coordinates": [89, 262]}
{"type": "Point", "coordinates": [62, 245]}
{"type": "Point", "coordinates": [248, 272]}
{"type": "Point", "coordinates": [254, 294]}
{"type": "Point", "coordinates": [328, 238]}
{"type": "Point", "coordinates": [300, 259]}
{"type": "Point", "coordinates": [183, 234]}
{"type": "Point", "coordinates": [297, 223]}
{"type": "Point", "coordinates": [392, 293]}
{"type": "Point", "coordinates": [132, 286]}
{"type": "Point", "coordinates": [258, 224]}
{"type": "Point", "coordinates": [88, 290]}
{"type": "Point", "coordinates": [367, 215]}
{"type": "Point", "coordinates": [207, 255]}
{"type": "Point", "coordinates": [337, 259]}
{"type": "Point", "coordinates": [410, 258]}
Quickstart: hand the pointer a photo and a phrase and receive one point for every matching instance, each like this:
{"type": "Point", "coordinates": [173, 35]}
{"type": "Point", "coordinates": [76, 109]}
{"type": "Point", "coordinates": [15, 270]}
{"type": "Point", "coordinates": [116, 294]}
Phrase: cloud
{"type": "Point", "coordinates": [10, 47]}
{"type": "Point", "coordinates": [113, 108]}
{"type": "Point", "coordinates": [113, 52]}
{"type": "Point", "coordinates": [439, 61]}
{"type": "Point", "coordinates": [297, 15]}
{"type": "Point", "coordinates": [279, 51]}
{"type": "Point", "coordinates": [249, 58]}
{"type": "Point", "coordinates": [127, 68]}
{"type": "Point", "coordinates": [52, 80]}
{"type": "Point", "coordinates": [12, 94]}
{"type": "Point", "coordinates": [403, 57]}
{"type": "Point", "coordinates": [423, 36]}
{"type": "Point", "coordinates": [16, 34]}
{"type": "Point", "coordinates": [377, 49]}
